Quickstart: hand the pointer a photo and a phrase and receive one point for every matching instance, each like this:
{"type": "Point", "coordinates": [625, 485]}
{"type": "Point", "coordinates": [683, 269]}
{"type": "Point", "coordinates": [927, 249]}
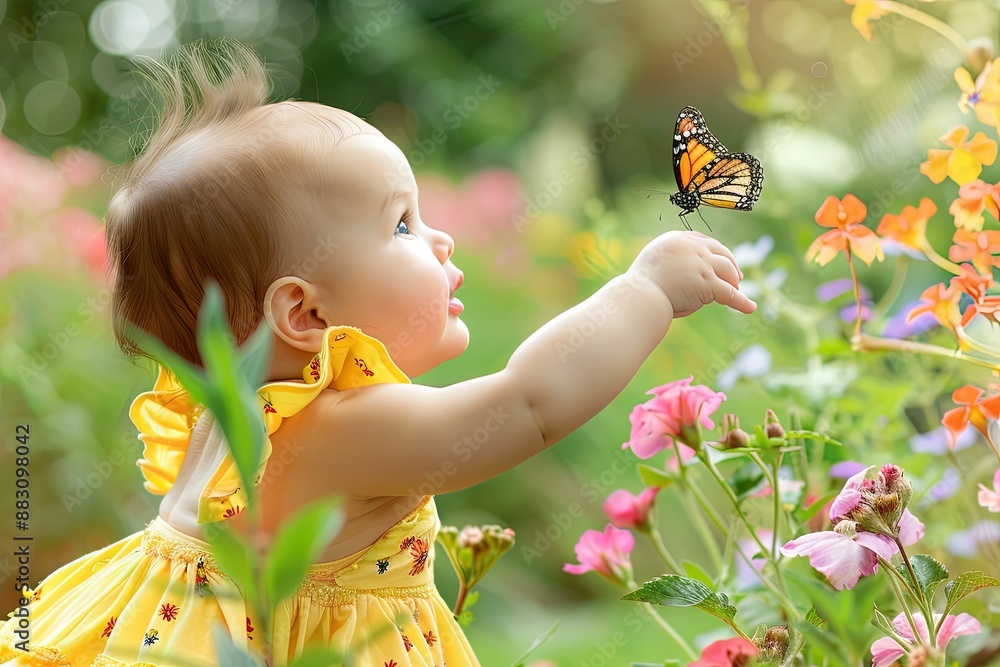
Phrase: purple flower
{"type": "Point", "coordinates": [898, 328]}
{"type": "Point", "coordinates": [846, 469]}
{"type": "Point", "coordinates": [936, 441]}
{"type": "Point", "coordinates": [834, 288]}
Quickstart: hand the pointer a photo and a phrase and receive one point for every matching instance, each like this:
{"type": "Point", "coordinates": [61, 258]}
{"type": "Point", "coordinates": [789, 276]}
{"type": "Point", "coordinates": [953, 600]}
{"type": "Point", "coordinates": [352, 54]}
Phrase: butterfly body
{"type": "Point", "coordinates": [707, 173]}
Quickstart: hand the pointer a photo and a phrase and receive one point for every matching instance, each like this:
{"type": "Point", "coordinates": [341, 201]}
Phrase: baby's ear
{"type": "Point", "coordinates": [293, 311]}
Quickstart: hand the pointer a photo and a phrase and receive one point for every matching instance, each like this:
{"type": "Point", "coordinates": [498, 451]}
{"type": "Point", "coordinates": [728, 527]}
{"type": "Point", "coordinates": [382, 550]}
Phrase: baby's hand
{"type": "Point", "coordinates": [692, 269]}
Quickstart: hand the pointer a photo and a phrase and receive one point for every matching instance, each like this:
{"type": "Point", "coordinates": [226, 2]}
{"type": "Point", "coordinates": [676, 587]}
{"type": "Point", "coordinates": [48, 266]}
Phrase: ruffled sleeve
{"type": "Point", "coordinates": [166, 415]}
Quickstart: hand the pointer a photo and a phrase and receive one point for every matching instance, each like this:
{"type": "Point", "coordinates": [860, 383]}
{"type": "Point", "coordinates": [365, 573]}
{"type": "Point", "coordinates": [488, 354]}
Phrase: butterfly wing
{"type": "Point", "coordinates": [733, 181]}
{"type": "Point", "coordinates": [702, 164]}
{"type": "Point", "coordinates": [695, 148]}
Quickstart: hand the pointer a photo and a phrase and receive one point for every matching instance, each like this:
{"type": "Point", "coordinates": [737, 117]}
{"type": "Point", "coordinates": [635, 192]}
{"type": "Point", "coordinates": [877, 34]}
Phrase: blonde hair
{"type": "Point", "coordinates": [211, 195]}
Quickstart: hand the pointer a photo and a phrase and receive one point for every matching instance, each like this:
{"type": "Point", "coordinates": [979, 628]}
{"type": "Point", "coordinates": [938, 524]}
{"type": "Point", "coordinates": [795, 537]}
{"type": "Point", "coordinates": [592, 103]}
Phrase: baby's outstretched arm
{"type": "Point", "coordinates": [391, 439]}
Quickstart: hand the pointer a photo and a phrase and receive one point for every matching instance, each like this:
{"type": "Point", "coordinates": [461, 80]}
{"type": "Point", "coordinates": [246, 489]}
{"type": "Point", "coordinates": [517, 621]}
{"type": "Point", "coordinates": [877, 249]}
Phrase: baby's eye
{"type": "Point", "coordinates": [405, 227]}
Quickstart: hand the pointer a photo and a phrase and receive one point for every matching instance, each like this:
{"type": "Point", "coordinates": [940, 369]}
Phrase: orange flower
{"type": "Point", "coordinates": [973, 198]}
{"type": "Point", "coordinates": [964, 162]}
{"type": "Point", "coordinates": [974, 284]}
{"type": "Point", "coordinates": [983, 94]}
{"type": "Point", "coordinates": [863, 12]}
{"type": "Point", "coordinates": [940, 302]}
{"type": "Point", "coordinates": [910, 226]}
{"type": "Point", "coordinates": [977, 247]}
{"type": "Point", "coordinates": [848, 233]}
{"type": "Point", "coordinates": [974, 409]}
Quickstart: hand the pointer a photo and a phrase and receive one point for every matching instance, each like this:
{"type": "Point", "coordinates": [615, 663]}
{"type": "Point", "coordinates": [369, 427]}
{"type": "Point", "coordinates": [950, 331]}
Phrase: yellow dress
{"type": "Point", "coordinates": [153, 597]}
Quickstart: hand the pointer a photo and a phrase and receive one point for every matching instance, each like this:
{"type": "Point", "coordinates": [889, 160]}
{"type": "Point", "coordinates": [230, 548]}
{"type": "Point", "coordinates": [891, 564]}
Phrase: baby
{"type": "Point", "coordinates": [308, 217]}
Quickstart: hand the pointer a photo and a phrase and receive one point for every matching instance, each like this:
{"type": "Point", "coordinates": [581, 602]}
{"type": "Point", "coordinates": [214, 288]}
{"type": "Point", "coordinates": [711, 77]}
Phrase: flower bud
{"type": "Point", "coordinates": [732, 435]}
{"type": "Point", "coordinates": [871, 520]}
{"type": "Point", "coordinates": [980, 51]}
{"type": "Point", "coordinates": [774, 645]}
{"type": "Point", "coordinates": [470, 536]}
{"type": "Point", "coordinates": [890, 473]}
{"type": "Point", "coordinates": [772, 427]}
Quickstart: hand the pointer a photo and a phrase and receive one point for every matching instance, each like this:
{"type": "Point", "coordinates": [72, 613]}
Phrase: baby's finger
{"type": "Point", "coordinates": [718, 248]}
{"type": "Point", "coordinates": [725, 269]}
{"type": "Point", "coordinates": [728, 295]}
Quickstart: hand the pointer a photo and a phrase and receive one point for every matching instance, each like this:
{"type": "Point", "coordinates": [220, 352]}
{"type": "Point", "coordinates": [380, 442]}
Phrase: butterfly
{"type": "Point", "coordinates": [707, 173]}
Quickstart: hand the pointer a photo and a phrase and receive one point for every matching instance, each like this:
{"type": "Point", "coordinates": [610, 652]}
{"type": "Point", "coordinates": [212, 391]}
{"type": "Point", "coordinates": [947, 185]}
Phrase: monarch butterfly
{"type": "Point", "coordinates": [707, 173]}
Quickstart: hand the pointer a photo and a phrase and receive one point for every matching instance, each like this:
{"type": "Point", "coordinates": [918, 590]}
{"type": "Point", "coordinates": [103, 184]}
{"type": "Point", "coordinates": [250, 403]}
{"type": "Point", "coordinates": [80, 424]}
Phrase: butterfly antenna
{"type": "Point", "coordinates": [703, 220]}
{"type": "Point", "coordinates": [661, 210]}
{"type": "Point", "coordinates": [659, 192]}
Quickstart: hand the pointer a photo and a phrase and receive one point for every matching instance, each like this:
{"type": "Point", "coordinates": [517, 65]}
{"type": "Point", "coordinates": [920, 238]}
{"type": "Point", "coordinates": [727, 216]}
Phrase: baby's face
{"type": "Point", "coordinates": [389, 272]}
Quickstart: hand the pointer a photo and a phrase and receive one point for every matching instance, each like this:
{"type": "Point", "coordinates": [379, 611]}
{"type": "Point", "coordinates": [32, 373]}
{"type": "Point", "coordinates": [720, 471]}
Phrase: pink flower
{"type": "Point", "coordinates": [991, 499]}
{"type": "Point", "coordinates": [628, 511]}
{"type": "Point", "coordinates": [861, 534]}
{"type": "Point", "coordinates": [726, 653]}
{"type": "Point", "coordinates": [842, 558]}
{"type": "Point", "coordinates": [885, 651]}
{"type": "Point", "coordinates": [605, 553]}
{"type": "Point", "coordinates": [676, 411]}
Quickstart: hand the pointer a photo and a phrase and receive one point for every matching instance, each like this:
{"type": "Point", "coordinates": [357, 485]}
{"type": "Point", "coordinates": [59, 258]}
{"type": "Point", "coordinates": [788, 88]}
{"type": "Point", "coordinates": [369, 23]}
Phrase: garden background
{"type": "Point", "coordinates": [531, 127]}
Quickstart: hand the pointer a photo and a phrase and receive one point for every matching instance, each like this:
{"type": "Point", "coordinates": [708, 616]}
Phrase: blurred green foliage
{"type": "Point", "coordinates": [577, 100]}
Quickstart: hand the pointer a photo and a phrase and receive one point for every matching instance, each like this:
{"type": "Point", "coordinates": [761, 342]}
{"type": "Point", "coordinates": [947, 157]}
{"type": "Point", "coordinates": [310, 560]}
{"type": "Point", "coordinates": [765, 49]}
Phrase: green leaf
{"type": "Point", "coordinates": [229, 654]}
{"type": "Point", "coordinates": [807, 513]}
{"type": "Point", "coordinates": [233, 556]}
{"type": "Point", "coordinates": [760, 436]}
{"type": "Point", "coordinates": [651, 476]}
{"type": "Point", "coordinates": [671, 590]}
{"type": "Point", "coordinates": [813, 617]}
{"type": "Point", "coordinates": [542, 638]}
{"type": "Point", "coordinates": [745, 479]}
{"type": "Point", "coordinates": [930, 573]}
{"type": "Point", "coordinates": [813, 435]}
{"type": "Point", "coordinates": [190, 376]}
{"type": "Point", "coordinates": [255, 355]}
{"type": "Point", "coordinates": [299, 541]}
{"type": "Point", "coordinates": [234, 403]}
{"type": "Point", "coordinates": [695, 572]}
{"type": "Point", "coordinates": [318, 657]}
{"type": "Point", "coordinates": [966, 584]}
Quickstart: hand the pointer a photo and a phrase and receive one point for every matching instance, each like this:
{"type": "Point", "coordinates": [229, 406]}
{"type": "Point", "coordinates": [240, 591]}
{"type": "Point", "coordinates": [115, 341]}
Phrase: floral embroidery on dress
{"type": "Point", "coordinates": [230, 512]}
{"type": "Point", "coordinates": [314, 368]}
{"type": "Point", "coordinates": [269, 407]}
{"type": "Point", "coordinates": [419, 551]}
{"type": "Point", "coordinates": [249, 629]}
{"type": "Point", "coordinates": [416, 614]}
{"type": "Point", "coordinates": [391, 663]}
{"type": "Point", "coordinates": [201, 578]}
{"type": "Point", "coordinates": [168, 612]}
{"type": "Point", "coordinates": [430, 638]}
{"type": "Point", "coordinates": [382, 565]}
{"type": "Point", "coordinates": [150, 637]}
{"type": "Point", "coordinates": [109, 628]}
{"type": "Point", "coordinates": [407, 644]}
{"type": "Point", "coordinates": [405, 544]}
{"type": "Point", "coordinates": [360, 363]}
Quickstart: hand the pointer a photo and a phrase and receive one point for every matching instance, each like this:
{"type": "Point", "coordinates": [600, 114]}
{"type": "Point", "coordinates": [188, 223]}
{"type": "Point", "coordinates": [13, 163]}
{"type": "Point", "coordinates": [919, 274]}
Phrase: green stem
{"type": "Point", "coordinates": [703, 455]}
{"type": "Point", "coordinates": [892, 292]}
{"type": "Point", "coordinates": [779, 579]}
{"type": "Point", "coordinates": [890, 571]}
{"type": "Point", "coordinates": [698, 521]}
{"type": "Point", "coordinates": [869, 343]}
{"type": "Point", "coordinates": [857, 290]}
{"type": "Point", "coordinates": [934, 24]}
{"type": "Point", "coordinates": [790, 608]}
{"type": "Point", "coordinates": [921, 598]}
{"type": "Point", "coordinates": [653, 533]}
